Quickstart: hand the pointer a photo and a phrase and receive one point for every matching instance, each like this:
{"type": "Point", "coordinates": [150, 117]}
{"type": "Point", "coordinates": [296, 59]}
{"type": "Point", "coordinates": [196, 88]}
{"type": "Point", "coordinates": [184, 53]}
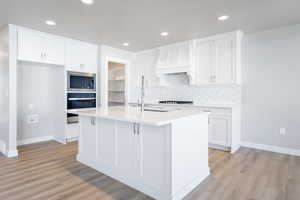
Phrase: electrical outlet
{"type": "Point", "coordinates": [33, 119]}
{"type": "Point", "coordinates": [282, 131]}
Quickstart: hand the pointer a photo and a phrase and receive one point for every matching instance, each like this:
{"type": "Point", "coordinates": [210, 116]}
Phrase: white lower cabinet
{"type": "Point", "coordinates": [153, 157]}
{"type": "Point", "coordinates": [133, 153]}
{"type": "Point", "coordinates": [106, 143]}
{"type": "Point", "coordinates": [88, 142]}
{"type": "Point", "coordinates": [219, 130]}
{"type": "Point", "coordinates": [125, 155]}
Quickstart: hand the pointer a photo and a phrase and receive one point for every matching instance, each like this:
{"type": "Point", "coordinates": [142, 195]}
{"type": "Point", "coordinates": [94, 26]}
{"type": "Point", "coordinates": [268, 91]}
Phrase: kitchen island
{"type": "Point", "coordinates": [162, 153]}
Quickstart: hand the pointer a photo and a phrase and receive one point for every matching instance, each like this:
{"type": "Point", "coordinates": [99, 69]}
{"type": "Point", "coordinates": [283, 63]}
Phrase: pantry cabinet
{"type": "Point", "coordinates": [41, 48]}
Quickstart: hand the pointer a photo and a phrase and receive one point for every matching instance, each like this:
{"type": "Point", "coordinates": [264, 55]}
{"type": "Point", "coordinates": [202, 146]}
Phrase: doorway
{"type": "Point", "coordinates": [116, 84]}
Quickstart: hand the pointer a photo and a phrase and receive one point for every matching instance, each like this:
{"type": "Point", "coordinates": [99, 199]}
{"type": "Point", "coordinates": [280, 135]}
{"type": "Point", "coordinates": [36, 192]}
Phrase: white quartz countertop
{"type": "Point", "coordinates": [133, 114]}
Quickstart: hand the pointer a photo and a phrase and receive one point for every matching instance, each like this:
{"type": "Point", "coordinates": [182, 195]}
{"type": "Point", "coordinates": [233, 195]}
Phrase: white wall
{"type": "Point", "coordinates": [270, 90]}
{"type": "Point", "coordinates": [105, 53]}
{"type": "Point", "coordinates": [41, 91]}
{"type": "Point", "coordinates": [144, 63]}
{"type": "Point", "coordinates": [4, 90]}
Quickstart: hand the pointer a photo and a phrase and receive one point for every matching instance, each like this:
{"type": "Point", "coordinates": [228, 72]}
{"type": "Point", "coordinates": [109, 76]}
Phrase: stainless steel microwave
{"type": "Point", "coordinates": [80, 81]}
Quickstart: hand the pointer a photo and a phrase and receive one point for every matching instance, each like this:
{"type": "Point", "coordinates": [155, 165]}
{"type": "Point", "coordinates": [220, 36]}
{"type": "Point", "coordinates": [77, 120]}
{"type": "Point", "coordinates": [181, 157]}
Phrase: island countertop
{"type": "Point", "coordinates": [133, 114]}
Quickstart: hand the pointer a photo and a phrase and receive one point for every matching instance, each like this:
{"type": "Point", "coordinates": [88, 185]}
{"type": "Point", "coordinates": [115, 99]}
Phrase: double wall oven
{"type": "Point", "coordinates": [81, 93]}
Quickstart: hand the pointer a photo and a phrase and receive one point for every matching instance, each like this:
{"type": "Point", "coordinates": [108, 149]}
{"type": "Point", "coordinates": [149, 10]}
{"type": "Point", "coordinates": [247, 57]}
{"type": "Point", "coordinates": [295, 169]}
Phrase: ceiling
{"type": "Point", "coordinates": [139, 22]}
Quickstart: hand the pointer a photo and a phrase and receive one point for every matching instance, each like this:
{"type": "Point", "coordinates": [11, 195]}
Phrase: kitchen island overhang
{"type": "Point", "coordinates": [162, 154]}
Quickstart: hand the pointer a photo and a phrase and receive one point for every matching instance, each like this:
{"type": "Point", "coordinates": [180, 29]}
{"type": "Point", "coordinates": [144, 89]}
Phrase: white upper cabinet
{"type": "Point", "coordinates": [37, 47]}
{"type": "Point", "coordinates": [204, 62]}
{"type": "Point", "coordinates": [81, 57]}
{"type": "Point", "coordinates": [217, 60]}
{"type": "Point", "coordinates": [174, 58]}
{"type": "Point", "coordinates": [225, 60]}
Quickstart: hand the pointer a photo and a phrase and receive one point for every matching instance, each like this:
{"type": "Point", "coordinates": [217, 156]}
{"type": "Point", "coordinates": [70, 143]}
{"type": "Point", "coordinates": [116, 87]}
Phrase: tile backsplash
{"type": "Point", "coordinates": [227, 94]}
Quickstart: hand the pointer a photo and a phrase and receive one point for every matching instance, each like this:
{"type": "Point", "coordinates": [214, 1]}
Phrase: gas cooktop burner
{"type": "Point", "coordinates": [176, 102]}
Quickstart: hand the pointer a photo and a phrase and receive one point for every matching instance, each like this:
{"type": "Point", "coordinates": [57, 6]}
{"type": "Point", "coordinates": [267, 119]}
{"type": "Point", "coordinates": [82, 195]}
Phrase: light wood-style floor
{"type": "Point", "coordinates": [50, 171]}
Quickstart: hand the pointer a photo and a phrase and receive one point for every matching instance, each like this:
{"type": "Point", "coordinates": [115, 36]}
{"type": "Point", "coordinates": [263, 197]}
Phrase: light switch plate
{"type": "Point", "coordinates": [33, 119]}
{"type": "Point", "coordinates": [282, 131]}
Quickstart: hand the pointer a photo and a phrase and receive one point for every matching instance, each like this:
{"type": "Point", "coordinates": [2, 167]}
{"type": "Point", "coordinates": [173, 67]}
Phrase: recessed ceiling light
{"type": "Point", "coordinates": [223, 17]}
{"type": "Point", "coordinates": [164, 33]}
{"type": "Point", "coordinates": [125, 44]}
{"type": "Point", "coordinates": [50, 23]}
{"type": "Point", "coordinates": [89, 2]}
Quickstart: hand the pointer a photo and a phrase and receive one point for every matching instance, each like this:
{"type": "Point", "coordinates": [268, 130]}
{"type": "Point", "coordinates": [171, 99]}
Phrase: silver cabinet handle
{"type": "Point", "coordinates": [93, 122]}
{"type": "Point", "coordinates": [81, 99]}
{"type": "Point", "coordinates": [138, 129]}
{"type": "Point", "coordinates": [134, 128]}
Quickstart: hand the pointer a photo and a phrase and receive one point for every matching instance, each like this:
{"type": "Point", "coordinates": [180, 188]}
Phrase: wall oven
{"type": "Point", "coordinates": [79, 100]}
{"type": "Point", "coordinates": [83, 82]}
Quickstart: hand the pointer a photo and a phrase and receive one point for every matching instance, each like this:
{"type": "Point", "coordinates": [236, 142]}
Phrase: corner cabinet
{"type": "Point", "coordinates": [217, 60]}
{"type": "Point", "coordinates": [40, 47]}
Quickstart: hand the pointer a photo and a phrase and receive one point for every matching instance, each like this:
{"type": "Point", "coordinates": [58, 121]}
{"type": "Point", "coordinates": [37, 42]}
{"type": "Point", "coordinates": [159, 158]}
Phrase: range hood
{"type": "Point", "coordinates": [174, 59]}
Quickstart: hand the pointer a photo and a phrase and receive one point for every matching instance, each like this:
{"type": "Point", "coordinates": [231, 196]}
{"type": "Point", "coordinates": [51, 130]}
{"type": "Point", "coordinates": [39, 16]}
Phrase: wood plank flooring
{"type": "Point", "coordinates": [50, 171]}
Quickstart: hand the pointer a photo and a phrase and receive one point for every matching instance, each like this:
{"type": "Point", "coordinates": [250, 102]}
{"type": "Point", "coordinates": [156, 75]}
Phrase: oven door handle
{"type": "Point", "coordinates": [81, 99]}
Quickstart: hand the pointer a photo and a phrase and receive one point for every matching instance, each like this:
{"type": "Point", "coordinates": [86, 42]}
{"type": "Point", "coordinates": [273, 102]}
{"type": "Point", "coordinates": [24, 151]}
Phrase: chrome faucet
{"type": "Point", "coordinates": [142, 105]}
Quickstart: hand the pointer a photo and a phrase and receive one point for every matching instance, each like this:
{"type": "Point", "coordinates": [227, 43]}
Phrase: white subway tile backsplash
{"type": "Point", "coordinates": [230, 94]}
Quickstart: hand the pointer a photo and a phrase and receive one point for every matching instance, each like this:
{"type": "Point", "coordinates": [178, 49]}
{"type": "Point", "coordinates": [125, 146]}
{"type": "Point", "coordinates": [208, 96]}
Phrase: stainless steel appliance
{"type": "Point", "coordinates": [176, 102]}
{"type": "Point", "coordinates": [78, 101]}
{"type": "Point", "coordinates": [83, 82]}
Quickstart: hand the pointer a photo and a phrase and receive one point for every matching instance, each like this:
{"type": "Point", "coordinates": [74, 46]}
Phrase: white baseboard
{"type": "Point", "coordinates": [35, 140]}
{"type": "Point", "coordinates": [11, 154]}
{"type": "Point", "coordinates": [276, 149]}
{"type": "Point", "coordinates": [2, 147]}
{"type": "Point", "coordinates": [72, 139]}
{"type": "Point", "coordinates": [5, 152]}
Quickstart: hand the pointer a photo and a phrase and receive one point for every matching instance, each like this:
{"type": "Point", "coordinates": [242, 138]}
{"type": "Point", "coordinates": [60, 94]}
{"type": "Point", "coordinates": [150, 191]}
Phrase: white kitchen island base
{"type": "Point", "coordinates": [164, 161]}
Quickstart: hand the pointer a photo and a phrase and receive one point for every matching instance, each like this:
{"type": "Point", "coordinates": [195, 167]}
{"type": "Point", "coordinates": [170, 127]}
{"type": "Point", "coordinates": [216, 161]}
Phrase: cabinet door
{"type": "Point", "coordinates": [54, 51]}
{"type": "Point", "coordinates": [74, 60]}
{"type": "Point", "coordinates": [30, 46]}
{"type": "Point", "coordinates": [87, 142]}
{"type": "Point", "coordinates": [81, 57]}
{"type": "Point", "coordinates": [106, 142]}
{"type": "Point", "coordinates": [153, 157]}
{"type": "Point", "coordinates": [125, 149]}
{"type": "Point", "coordinates": [219, 129]}
{"type": "Point", "coordinates": [204, 58]}
{"type": "Point", "coordinates": [225, 60]}
{"type": "Point", "coordinates": [90, 58]}
{"type": "Point", "coordinates": [163, 58]}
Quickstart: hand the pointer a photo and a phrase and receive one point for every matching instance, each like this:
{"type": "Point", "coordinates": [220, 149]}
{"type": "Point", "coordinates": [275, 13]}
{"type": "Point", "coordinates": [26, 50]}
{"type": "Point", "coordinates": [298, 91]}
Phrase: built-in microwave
{"type": "Point", "coordinates": [80, 81]}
